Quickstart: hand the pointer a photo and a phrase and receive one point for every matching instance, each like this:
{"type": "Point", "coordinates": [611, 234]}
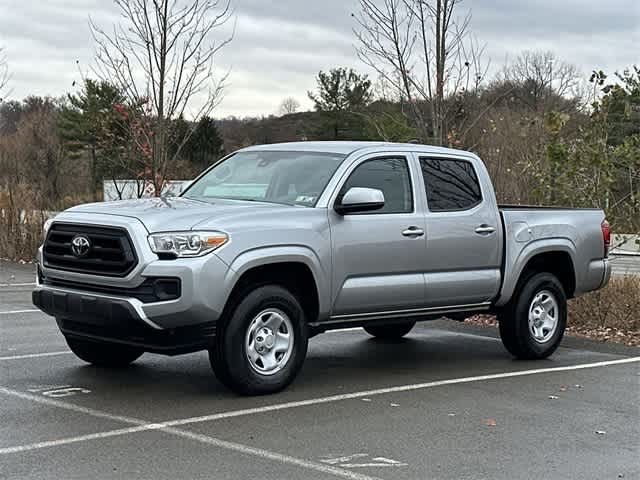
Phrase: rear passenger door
{"type": "Point", "coordinates": [378, 256]}
{"type": "Point", "coordinates": [463, 243]}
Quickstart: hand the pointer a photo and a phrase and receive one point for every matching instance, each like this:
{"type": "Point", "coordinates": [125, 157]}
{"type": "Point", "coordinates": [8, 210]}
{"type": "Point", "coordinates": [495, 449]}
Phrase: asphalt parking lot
{"type": "Point", "coordinates": [445, 403]}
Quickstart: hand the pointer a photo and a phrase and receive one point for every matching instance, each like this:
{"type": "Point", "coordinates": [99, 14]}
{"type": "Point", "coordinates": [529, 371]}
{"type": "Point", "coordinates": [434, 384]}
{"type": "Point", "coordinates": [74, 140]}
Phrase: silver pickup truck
{"type": "Point", "coordinates": [277, 243]}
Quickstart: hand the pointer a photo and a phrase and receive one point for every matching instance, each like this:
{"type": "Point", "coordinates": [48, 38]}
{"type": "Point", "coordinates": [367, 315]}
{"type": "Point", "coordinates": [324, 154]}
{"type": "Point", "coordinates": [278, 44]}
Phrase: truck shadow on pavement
{"type": "Point", "coordinates": [335, 363]}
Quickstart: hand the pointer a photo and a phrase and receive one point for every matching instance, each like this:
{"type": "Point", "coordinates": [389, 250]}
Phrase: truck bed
{"type": "Point", "coordinates": [532, 230]}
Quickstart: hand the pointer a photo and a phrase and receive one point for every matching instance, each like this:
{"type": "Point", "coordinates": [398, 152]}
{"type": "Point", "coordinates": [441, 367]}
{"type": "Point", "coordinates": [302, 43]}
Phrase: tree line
{"type": "Point", "coordinates": [146, 110]}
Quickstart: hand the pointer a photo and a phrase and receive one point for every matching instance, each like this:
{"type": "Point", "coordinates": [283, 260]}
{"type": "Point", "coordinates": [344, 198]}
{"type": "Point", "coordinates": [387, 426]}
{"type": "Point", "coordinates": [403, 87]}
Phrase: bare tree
{"type": "Point", "coordinates": [427, 54]}
{"type": "Point", "coordinates": [161, 56]}
{"type": "Point", "coordinates": [289, 105]}
{"type": "Point", "coordinates": [543, 79]}
{"type": "Point", "coordinates": [4, 73]}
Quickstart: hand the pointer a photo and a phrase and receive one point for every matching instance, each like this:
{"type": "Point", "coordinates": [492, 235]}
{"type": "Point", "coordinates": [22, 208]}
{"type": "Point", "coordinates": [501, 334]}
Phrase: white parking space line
{"type": "Point", "coordinates": [76, 408]}
{"type": "Point", "coordinates": [67, 441]}
{"type": "Point", "coordinates": [29, 310]}
{"type": "Point", "coordinates": [401, 388]}
{"type": "Point", "coordinates": [142, 426]}
{"type": "Point", "coordinates": [31, 284]}
{"type": "Point", "coordinates": [35, 355]}
{"type": "Point", "coordinates": [169, 426]}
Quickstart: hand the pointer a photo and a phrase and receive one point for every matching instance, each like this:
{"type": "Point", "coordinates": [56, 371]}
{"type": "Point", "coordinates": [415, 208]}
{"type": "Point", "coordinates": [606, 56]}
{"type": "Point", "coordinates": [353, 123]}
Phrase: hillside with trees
{"type": "Point", "coordinates": [548, 134]}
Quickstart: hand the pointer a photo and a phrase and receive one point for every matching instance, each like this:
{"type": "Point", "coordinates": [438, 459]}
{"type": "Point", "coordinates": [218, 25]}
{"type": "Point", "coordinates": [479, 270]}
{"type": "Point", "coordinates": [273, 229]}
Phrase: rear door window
{"type": "Point", "coordinates": [450, 184]}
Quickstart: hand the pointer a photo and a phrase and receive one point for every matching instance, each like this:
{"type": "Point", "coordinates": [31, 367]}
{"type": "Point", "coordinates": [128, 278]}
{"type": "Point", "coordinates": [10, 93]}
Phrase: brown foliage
{"type": "Point", "coordinates": [20, 236]}
{"type": "Point", "coordinates": [32, 167]}
{"type": "Point", "coordinates": [610, 314]}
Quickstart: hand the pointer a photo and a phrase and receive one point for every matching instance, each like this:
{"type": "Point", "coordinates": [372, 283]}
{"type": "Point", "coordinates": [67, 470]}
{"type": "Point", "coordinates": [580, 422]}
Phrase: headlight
{"type": "Point", "coordinates": [187, 244]}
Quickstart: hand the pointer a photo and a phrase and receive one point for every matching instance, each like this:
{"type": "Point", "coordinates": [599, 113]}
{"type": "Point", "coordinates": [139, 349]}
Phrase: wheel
{"type": "Point", "coordinates": [260, 347]}
{"type": "Point", "coordinates": [532, 324]}
{"type": "Point", "coordinates": [390, 331]}
{"type": "Point", "coordinates": [101, 354]}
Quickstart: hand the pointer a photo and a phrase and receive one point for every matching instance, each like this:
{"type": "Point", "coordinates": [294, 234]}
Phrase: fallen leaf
{"type": "Point", "coordinates": [490, 422]}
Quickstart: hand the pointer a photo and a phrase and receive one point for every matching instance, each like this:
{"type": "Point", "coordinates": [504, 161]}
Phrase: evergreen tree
{"type": "Point", "coordinates": [341, 96]}
{"type": "Point", "coordinates": [89, 122]}
{"type": "Point", "coordinates": [205, 145]}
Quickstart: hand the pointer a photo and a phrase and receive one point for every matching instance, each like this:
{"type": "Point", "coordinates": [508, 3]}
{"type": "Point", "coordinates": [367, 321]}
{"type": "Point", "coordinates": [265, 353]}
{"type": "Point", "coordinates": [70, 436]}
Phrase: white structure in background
{"type": "Point", "coordinates": [130, 188]}
{"type": "Point", "coordinates": [625, 244]}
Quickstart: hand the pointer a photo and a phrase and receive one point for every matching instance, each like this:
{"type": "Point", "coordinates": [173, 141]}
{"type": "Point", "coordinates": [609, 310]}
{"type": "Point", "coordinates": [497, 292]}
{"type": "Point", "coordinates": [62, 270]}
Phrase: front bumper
{"type": "Point", "coordinates": [119, 320]}
{"type": "Point", "coordinates": [204, 288]}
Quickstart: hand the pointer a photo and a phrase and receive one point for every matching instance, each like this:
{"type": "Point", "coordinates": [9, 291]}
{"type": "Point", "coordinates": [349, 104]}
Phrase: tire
{"type": "Point", "coordinates": [532, 324]}
{"type": "Point", "coordinates": [390, 331]}
{"type": "Point", "coordinates": [110, 355]}
{"type": "Point", "coordinates": [268, 319]}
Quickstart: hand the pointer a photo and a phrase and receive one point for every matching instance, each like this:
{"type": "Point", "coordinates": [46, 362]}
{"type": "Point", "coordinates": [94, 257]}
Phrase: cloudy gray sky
{"type": "Point", "coordinates": [279, 45]}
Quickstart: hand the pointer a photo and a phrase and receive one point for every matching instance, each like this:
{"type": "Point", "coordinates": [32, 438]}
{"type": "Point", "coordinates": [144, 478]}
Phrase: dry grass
{"type": "Point", "coordinates": [20, 235]}
{"type": "Point", "coordinates": [22, 216]}
{"type": "Point", "coordinates": [21, 221]}
{"type": "Point", "coordinates": [609, 314]}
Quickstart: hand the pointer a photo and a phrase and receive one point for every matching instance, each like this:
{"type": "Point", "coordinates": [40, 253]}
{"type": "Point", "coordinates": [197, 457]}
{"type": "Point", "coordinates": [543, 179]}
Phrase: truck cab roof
{"type": "Point", "coordinates": [349, 147]}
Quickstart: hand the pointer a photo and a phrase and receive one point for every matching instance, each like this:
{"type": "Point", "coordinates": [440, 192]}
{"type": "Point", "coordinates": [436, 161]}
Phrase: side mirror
{"type": "Point", "coordinates": [358, 199]}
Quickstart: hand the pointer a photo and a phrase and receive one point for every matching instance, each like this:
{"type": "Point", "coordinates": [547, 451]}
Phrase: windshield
{"type": "Point", "coordinates": [291, 178]}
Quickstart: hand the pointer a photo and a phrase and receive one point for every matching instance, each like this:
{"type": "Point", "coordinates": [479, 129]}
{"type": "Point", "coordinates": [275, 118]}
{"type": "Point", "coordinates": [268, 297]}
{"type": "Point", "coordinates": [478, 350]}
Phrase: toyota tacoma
{"type": "Point", "coordinates": [277, 243]}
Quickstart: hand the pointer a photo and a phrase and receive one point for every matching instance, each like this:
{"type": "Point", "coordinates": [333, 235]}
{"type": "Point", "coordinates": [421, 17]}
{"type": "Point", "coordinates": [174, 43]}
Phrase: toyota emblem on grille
{"type": "Point", "coordinates": [80, 246]}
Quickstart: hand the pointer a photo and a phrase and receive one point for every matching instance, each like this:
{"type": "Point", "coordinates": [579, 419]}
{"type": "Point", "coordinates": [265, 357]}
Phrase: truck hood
{"type": "Point", "coordinates": [176, 213]}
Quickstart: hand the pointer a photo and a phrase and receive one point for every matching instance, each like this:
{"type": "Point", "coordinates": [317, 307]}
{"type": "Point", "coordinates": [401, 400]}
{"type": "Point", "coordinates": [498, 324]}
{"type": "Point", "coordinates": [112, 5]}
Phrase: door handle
{"type": "Point", "coordinates": [484, 228]}
{"type": "Point", "coordinates": [413, 232]}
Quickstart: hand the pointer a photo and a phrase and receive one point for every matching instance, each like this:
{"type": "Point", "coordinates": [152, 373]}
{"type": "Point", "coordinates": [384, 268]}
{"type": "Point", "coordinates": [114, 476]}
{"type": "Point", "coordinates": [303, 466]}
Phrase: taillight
{"type": "Point", "coordinates": [606, 236]}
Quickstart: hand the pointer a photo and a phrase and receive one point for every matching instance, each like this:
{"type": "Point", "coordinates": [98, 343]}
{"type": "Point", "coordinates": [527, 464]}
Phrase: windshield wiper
{"type": "Point", "coordinates": [255, 200]}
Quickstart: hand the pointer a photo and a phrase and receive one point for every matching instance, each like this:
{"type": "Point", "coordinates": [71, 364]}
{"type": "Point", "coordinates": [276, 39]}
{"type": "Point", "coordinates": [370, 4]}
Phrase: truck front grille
{"type": "Point", "coordinates": [109, 251]}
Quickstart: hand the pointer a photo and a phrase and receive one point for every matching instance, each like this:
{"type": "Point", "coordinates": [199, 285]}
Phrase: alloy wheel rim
{"type": "Point", "coordinates": [269, 341]}
{"type": "Point", "coordinates": [543, 316]}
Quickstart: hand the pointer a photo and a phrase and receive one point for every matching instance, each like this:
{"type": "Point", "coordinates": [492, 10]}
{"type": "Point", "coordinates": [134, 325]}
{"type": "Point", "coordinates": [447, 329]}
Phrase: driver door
{"type": "Point", "coordinates": [379, 255]}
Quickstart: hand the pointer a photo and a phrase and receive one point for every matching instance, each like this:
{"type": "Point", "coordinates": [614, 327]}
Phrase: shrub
{"type": "Point", "coordinates": [612, 313]}
{"type": "Point", "coordinates": [20, 234]}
